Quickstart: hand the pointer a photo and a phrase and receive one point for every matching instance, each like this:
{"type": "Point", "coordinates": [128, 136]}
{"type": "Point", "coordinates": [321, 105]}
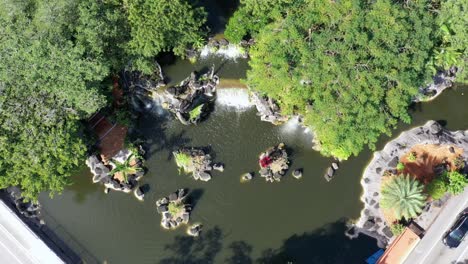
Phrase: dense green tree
{"type": "Point", "coordinates": [253, 15]}
{"type": "Point", "coordinates": [102, 28]}
{"type": "Point", "coordinates": [40, 145]}
{"type": "Point", "coordinates": [159, 25]}
{"type": "Point", "coordinates": [437, 187]}
{"type": "Point", "coordinates": [404, 195]}
{"type": "Point", "coordinates": [453, 32]}
{"type": "Point", "coordinates": [456, 182]}
{"type": "Point", "coordinates": [350, 67]}
{"type": "Point", "coordinates": [47, 83]}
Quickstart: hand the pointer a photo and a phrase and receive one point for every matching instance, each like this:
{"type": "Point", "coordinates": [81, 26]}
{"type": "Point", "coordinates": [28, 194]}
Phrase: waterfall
{"type": "Point", "coordinates": [294, 125]}
{"type": "Point", "coordinates": [234, 98]}
{"type": "Point", "coordinates": [229, 52]}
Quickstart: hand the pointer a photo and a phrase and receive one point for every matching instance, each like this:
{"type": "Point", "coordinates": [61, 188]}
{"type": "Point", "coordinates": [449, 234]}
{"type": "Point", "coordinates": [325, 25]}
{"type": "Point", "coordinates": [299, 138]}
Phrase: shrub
{"type": "Point", "coordinates": [175, 208]}
{"type": "Point", "coordinates": [459, 163]}
{"type": "Point", "coordinates": [412, 156]}
{"type": "Point", "coordinates": [400, 166]}
{"type": "Point", "coordinates": [397, 228]}
{"type": "Point", "coordinates": [196, 113]}
{"type": "Point", "coordinates": [456, 182]}
{"type": "Point", "coordinates": [437, 188]}
{"type": "Point", "coordinates": [183, 160]}
{"type": "Point", "coordinates": [404, 195]}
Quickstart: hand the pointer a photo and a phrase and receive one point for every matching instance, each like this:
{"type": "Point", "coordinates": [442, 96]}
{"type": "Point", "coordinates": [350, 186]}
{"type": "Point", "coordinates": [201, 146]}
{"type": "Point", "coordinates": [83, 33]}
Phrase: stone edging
{"type": "Point", "coordinates": [371, 221]}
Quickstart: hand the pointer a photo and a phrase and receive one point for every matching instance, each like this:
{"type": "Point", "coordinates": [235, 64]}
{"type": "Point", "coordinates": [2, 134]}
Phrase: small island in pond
{"type": "Point", "coordinates": [121, 173]}
{"type": "Point", "coordinates": [274, 163]}
{"type": "Point", "coordinates": [191, 100]}
{"type": "Point", "coordinates": [197, 162]}
{"type": "Point", "coordinates": [174, 210]}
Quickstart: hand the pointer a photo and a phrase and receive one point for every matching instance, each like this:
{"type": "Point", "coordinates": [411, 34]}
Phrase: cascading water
{"type": "Point", "coordinates": [234, 98]}
{"type": "Point", "coordinates": [229, 52]}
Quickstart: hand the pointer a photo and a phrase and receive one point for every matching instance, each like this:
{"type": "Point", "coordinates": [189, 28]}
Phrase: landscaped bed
{"type": "Point", "coordinates": [410, 178]}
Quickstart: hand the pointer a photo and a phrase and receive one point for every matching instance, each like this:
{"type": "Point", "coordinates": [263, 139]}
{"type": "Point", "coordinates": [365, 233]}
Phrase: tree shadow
{"type": "Point", "coordinates": [442, 122]}
{"type": "Point", "coordinates": [190, 250]}
{"type": "Point", "coordinates": [240, 253]}
{"type": "Point", "coordinates": [327, 244]}
{"type": "Point", "coordinates": [157, 138]}
{"type": "Point", "coordinates": [194, 196]}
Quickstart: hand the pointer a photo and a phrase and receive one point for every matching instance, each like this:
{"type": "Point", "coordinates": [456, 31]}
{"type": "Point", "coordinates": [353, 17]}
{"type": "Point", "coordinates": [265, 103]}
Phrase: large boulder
{"type": "Point", "coordinates": [139, 194]}
{"type": "Point", "coordinates": [205, 176]}
{"type": "Point", "coordinates": [297, 173]}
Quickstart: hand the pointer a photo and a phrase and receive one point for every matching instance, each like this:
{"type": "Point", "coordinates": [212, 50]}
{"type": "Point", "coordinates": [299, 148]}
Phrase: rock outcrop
{"type": "Point", "coordinates": [297, 173]}
{"type": "Point", "coordinates": [139, 87]}
{"type": "Point", "coordinates": [247, 177]}
{"type": "Point", "coordinates": [441, 81]}
{"type": "Point", "coordinates": [194, 230]}
{"type": "Point", "coordinates": [330, 173]}
{"type": "Point", "coordinates": [174, 210]}
{"type": "Point", "coordinates": [113, 179]}
{"type": "Point", "coordinates": [268, 109]}
{"type": "Point", "coordinates": [191, 99]}
{"type": "Point", "coordinates": [197, 162]}
{"type": "Point", "coordinates": [274, 163]}
{"type": "Point", "coordinates": [432, 132]}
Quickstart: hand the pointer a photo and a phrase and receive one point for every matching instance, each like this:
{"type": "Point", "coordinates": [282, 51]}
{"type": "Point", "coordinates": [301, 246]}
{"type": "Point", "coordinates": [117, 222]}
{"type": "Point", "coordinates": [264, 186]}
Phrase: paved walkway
{"type": "Point", "coordinates": [431, 249]}
{"type": "Point", "coordinates": [18, 244]}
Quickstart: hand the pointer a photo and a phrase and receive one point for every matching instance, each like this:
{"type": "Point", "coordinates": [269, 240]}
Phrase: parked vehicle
{"type": "Point", "coordinates": [455, 236]}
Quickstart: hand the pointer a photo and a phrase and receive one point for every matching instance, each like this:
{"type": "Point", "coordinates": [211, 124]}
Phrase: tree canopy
{"type": "Point", "coordinates": [56, 56]}
{"type": "Point", "coordinates": [163, 26]}
{"type": "Point", "coordinates": [47, 84]}
{"type": "Point", "coordinates": [350, 67]}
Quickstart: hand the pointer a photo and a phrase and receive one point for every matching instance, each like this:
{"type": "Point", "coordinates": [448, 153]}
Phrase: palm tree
{"type": "Point", "coordinates": [125, 168]}
{"type": "Point", "coordinates": [404, 195]}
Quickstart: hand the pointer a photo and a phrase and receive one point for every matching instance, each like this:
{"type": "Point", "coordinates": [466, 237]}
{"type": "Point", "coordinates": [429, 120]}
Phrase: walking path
{"type": "Point", "coordinates": [19, 244]}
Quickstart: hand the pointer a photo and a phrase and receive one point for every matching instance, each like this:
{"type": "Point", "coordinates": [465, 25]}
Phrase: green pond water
{"type": "Point", "coordinates": [257, 222]}
{"type": "Point", "coordinates": [300, 221]}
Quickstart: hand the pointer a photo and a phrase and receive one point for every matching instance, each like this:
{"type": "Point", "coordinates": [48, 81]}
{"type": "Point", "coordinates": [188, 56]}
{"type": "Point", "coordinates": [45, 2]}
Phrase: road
{"type": "Point", "coordinates": [19, 245]}
{"type": "Point", "coordinates": [431, 249]}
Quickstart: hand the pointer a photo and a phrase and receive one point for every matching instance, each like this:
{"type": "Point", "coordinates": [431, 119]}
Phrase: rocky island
{"type": "Point", "coordinates": [274, 163]}
{"type": "Point", "coordinates": [121, 173]}
{"type": "Point", "coordinates": [197, 162]}
{"type": "Point", "coordinates": [191, 100]}
{"type": "Point", "coordinates": [174, 211]}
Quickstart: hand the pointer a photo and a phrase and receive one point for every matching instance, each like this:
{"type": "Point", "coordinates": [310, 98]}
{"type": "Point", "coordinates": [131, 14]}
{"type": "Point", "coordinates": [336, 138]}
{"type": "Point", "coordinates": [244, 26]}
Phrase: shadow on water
{"type": "Point", "coordinates": [82, 186]}
{"type": "Point", "coordinates": [240, 253]}
{"type": "Point", "coordinates": [159, 139]}
{"type": "Point", "coordinates": [194, 197]}
{"type": "Point", "coordinates": [327, 244]}
{"type": "Point", "coordinates": [442, 122]}
{"type": "Point", "coordinates": [190, 250]}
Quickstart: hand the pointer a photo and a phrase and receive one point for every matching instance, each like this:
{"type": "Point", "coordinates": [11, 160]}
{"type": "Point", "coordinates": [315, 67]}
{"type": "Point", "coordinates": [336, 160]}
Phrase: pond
{"type": "Point", "coordinates": [256, 222]}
